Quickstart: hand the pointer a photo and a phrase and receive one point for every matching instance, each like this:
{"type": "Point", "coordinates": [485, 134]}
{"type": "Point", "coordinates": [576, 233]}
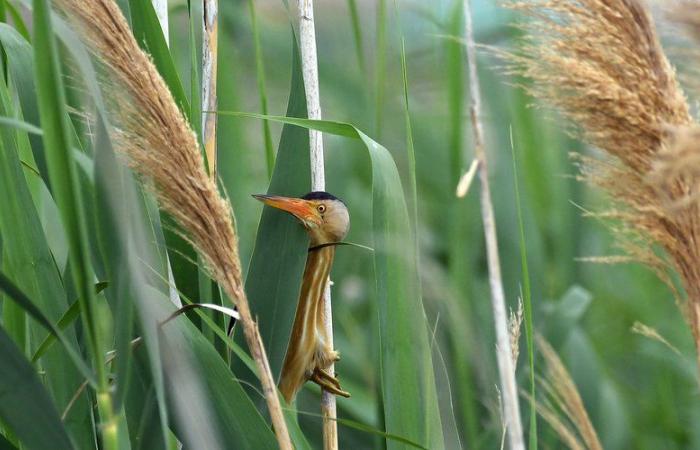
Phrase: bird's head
{"type": "Point", "coordinates": [324, 216]}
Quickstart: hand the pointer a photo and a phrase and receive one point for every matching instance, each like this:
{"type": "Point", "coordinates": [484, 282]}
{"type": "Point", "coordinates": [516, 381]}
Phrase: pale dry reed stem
{"type": "Point", "coordinates": [562, 405]}
{"type": "Point", "coordinates": [600, 63]}
{"type": "Point", "coordinates": [210, 52]}
{"type": "Point", "coordinates": [509, 390]}
{"type": "Point", "coordinates": [151, 133]}
{"type": "Point", "coordinates": [309, 66]}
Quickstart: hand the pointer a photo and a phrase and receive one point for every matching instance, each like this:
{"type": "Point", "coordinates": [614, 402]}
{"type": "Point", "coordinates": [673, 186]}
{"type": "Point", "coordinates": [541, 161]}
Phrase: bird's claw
{"type": "Point", "coordinates": [328, 382]}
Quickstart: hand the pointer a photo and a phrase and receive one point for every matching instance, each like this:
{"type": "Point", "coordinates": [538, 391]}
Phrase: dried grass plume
{"type": "Point", "coordinates": [600, 64]}
{"type": "Point", "coordinates": [152, 134]}
{"type": "Point", "coordinates": [562, 406]}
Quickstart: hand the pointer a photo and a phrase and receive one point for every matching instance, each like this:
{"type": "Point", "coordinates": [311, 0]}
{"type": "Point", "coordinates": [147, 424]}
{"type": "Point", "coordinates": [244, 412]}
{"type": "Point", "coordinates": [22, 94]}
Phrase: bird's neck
{"type": "Point", "coordinates": [316, 272]}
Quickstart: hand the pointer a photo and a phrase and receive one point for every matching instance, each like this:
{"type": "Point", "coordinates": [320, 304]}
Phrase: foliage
{"type": "Point", "coordinates": [79, 233]}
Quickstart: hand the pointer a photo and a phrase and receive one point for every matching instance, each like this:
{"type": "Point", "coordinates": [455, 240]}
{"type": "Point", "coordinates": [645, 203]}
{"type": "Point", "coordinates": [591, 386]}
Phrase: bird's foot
{"type": "Point", "coordinates": [328, 382]}
{"type": "Point", "coordinates": [326, 357]}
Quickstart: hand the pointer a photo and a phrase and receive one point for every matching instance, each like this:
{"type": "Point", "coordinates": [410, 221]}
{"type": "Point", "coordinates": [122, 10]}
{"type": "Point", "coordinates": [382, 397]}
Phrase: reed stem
{"type": "Point", "coordinates": [506, 369]}
{"type": "Point", "coordinates": [210, 52]}
{"type": "Point", "coordinates": [309, 64]}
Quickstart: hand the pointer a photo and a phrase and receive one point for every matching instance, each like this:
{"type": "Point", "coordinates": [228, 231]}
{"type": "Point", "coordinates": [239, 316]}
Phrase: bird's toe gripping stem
{"type": "Point", "coordinates": [328, 382]}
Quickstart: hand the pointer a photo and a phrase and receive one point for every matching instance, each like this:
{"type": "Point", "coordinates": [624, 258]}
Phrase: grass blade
{"type": "Point", "coordinates": [58, 144]}
{"type": "Point", "coordinates": [262, 89]}
{"type": "Point", "coordinates": [28, 260]}
{"type": "Point", "coordinates": [527, 305]}
{"type": "Point", "coordinates": [71, 314]}
{"type": "Point", "coordinates": [26, 406]}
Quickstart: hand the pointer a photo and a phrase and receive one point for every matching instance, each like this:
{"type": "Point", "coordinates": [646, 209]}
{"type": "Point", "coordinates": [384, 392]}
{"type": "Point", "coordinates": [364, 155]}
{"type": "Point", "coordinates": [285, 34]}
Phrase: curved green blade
{"type": "Point", "coordinates": [26, 406]}
{"type": "Point", "coordinates": [276, 267]}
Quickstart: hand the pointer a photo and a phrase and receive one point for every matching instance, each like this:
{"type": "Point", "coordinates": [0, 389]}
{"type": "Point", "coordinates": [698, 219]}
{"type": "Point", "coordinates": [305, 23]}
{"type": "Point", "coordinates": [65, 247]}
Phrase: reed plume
{"type": "Point", "coordinates": [152, 134]}
{"type": "Point", "coordinates": [562, 406]}
{"type": "Point", "coordinates": [687, 13]}
{"type": "Point", "coordinates": [600, 63]}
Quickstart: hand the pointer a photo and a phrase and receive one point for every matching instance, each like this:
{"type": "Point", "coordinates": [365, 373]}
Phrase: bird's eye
{"type": "Point", "coordinates": [321, 208]}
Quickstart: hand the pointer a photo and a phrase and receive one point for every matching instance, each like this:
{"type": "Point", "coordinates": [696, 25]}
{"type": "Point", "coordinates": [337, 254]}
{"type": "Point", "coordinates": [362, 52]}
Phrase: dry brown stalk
{"type": "Point", "coordinates": [151, 133]}
{"type": "Point", "coordinates": [599, 62]}
{"type": "Point", "coordinates": [562, 405]}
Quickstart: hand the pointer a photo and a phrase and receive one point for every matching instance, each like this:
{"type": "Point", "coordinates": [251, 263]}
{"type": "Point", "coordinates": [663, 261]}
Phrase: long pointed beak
{"type": "Point", "coordinates": [301, 209]}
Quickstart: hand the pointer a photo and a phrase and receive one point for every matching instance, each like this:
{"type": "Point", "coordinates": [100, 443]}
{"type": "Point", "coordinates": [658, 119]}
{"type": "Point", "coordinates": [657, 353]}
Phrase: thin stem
{"type": "Point", "coordinates": [257, 350]}
{"type": "Point", "coordinates": [262, 89]}
{"type": "Point", "coordinates": [210, 51]}
{"type": "Point", "coordinates": [309, 64]}
{"type": "Point", "coordinates": [511, 410]}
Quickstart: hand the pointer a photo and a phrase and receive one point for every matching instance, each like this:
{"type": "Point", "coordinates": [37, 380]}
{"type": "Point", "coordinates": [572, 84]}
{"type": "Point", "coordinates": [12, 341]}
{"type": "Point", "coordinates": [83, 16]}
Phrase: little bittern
{"type": "Point", "coordinates": [309, 354]}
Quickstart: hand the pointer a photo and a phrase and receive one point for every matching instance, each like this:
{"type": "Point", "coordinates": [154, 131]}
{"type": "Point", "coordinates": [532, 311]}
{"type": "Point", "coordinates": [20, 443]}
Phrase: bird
{"type": "Point", "coordinates": [309, 353]}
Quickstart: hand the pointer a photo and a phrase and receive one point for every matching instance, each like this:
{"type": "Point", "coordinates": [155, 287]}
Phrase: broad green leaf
{"type": "Point", "coordinates": [26, 408]}
{"type": "Point", "coordinates": [274, 276]}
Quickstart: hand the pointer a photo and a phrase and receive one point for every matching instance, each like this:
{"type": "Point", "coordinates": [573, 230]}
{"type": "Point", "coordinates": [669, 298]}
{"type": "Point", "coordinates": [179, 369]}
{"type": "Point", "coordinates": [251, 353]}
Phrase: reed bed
{"type": "Point", "coordinates": [95, 243]}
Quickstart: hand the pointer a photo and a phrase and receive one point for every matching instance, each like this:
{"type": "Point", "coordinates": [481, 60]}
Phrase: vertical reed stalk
{"type": "Point", "coordinates": [210, 52]}
{"type": "Point", "coordinates": [309, 65]}
{"type": "Point", "coordinates": [506, 369]}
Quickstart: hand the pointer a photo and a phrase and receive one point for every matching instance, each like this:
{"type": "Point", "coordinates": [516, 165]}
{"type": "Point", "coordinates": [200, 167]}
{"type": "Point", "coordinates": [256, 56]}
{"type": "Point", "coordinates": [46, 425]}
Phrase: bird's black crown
{"type": "Point", "coordinates": [321, 195]}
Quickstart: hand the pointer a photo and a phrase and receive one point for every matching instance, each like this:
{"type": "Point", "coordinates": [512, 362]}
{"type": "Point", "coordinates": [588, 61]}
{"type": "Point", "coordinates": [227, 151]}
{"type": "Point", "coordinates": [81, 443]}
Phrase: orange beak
{"type": "Point", "coordinates": [299, 208]}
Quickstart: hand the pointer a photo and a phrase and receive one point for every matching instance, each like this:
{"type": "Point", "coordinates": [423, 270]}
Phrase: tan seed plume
{"type": "Point", "coordinates": [151, 133]}
{"type": "Point", "coordinates": [562, 406]}
{"type": "Point", "coordinates": [600, 63]}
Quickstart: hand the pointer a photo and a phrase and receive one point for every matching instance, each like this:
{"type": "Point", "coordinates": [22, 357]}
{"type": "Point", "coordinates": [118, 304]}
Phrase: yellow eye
{"type": "Point", "coordinates": [321, 208]}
